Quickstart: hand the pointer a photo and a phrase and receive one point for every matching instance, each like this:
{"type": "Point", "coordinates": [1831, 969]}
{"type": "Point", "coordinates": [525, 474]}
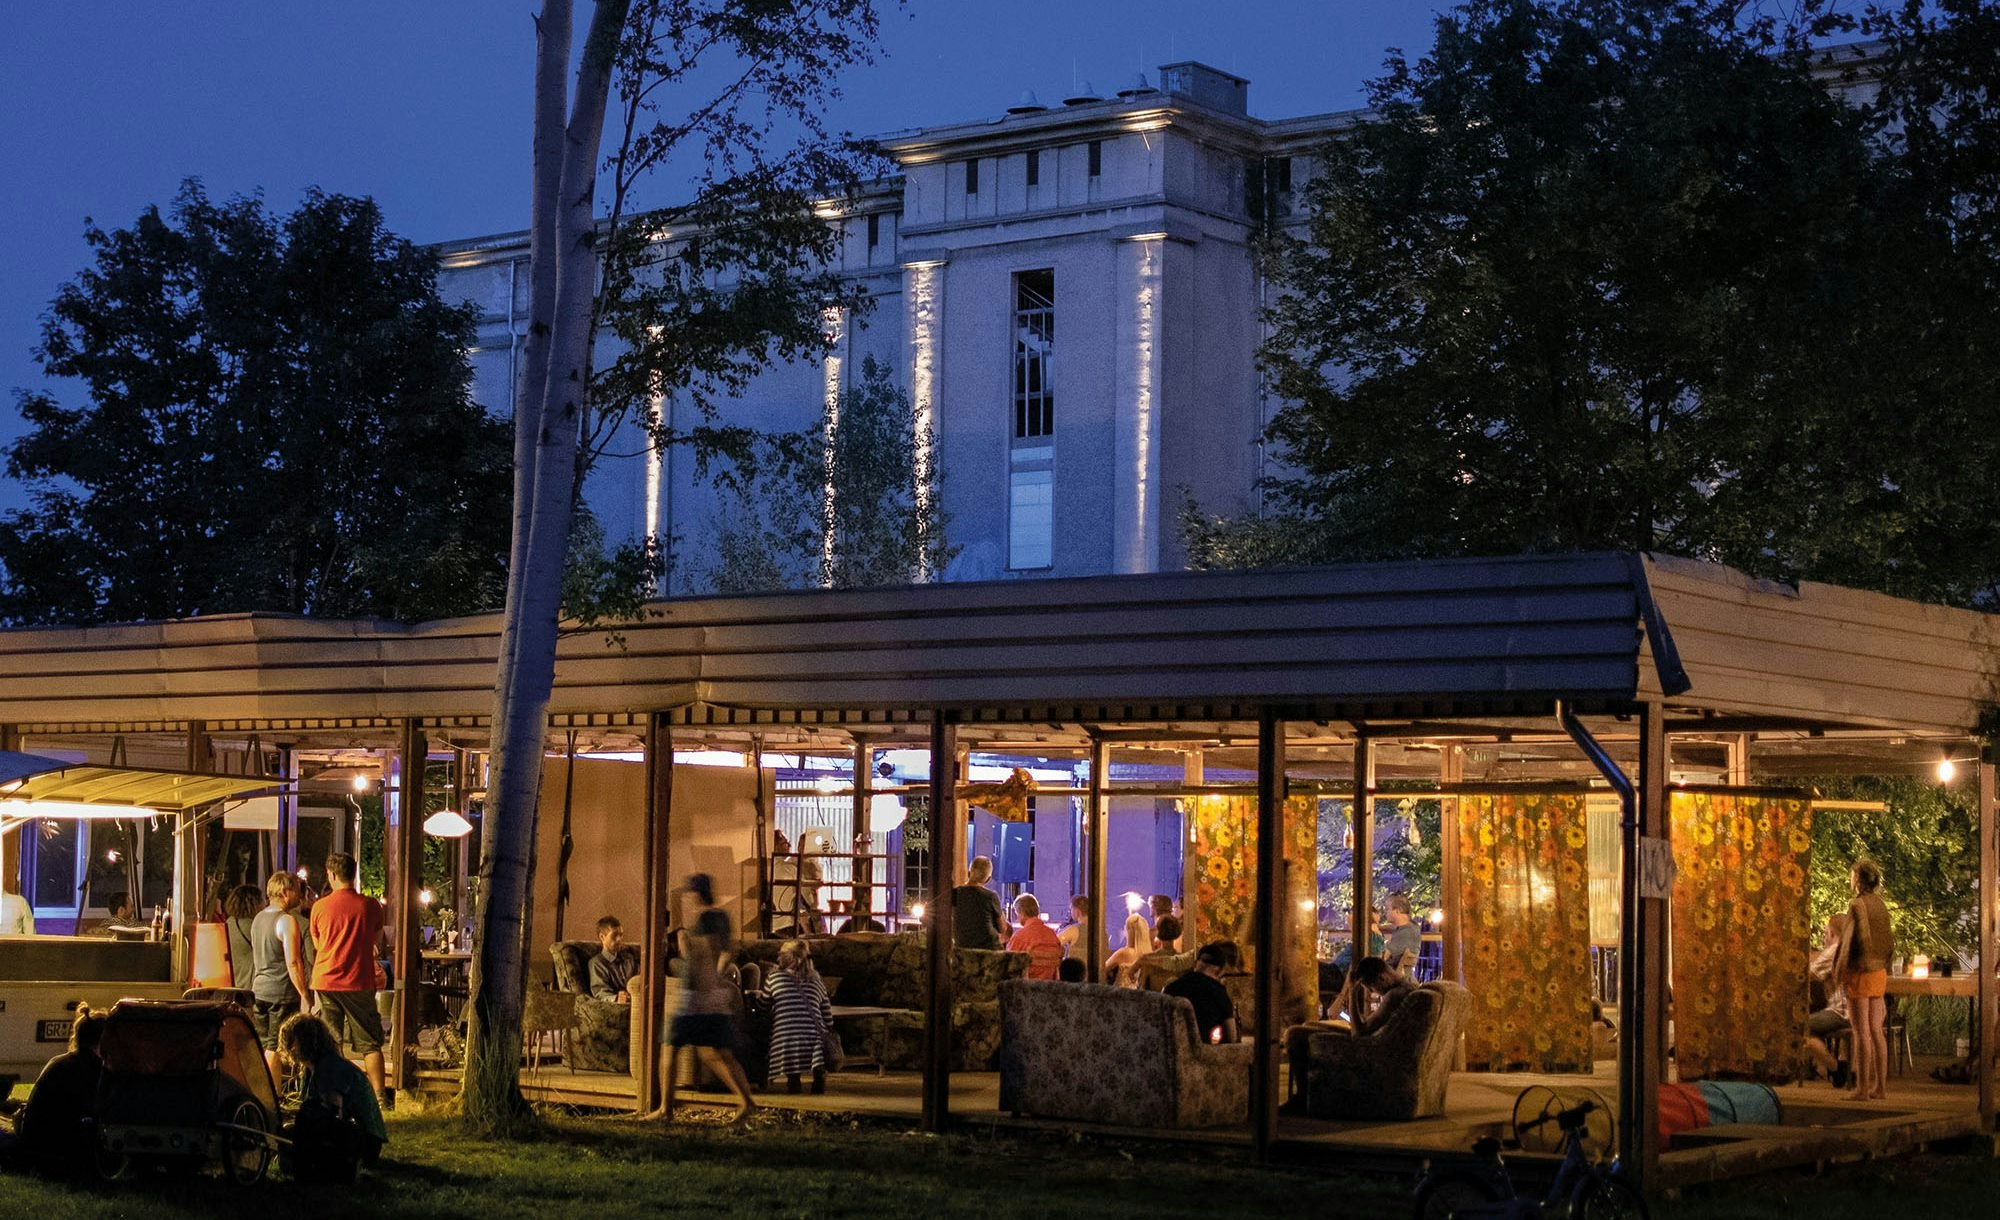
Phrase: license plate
{"type": "Point", "coordinates": [52, 1031]}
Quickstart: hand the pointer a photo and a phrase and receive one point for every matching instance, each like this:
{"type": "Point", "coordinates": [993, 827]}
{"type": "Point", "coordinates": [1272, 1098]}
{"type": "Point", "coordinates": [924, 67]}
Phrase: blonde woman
{"type": "Point", "coordinates": [1122, 967]}
{"type": "Point", "coordinates": [1865, 977]}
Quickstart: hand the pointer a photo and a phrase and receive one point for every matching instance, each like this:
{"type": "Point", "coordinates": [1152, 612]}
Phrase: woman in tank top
{"type": "Point", "coordinates": [1865, 977]}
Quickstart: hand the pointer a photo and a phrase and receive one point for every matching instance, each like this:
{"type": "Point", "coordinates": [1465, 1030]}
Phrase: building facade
{"type": "Point", "coordinates": [1072, 298]}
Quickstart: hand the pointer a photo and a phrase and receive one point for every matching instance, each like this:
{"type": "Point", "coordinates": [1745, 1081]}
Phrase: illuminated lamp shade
{"type": "Point", "coordinates": [209, 966]}
{"type": "Point", "coordinates": [447, 824]}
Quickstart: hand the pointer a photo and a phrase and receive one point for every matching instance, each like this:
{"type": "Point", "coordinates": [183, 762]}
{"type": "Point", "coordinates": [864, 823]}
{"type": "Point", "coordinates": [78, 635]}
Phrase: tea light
{"type": "Point", "coordinates": [1920, 967]}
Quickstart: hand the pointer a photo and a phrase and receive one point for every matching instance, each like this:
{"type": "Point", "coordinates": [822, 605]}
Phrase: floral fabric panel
{"type": "Point", "coordinates": [1525, 864]}
{"type": "Point", "coordinates": [1741, 931]}
{"type": "Point", "coordinates": [1220, 896]}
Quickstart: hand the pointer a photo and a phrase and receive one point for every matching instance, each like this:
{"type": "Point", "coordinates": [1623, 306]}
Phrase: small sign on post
{"type": "Point", "coordinates": [1656, 868]}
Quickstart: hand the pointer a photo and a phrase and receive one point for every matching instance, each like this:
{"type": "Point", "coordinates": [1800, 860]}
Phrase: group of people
{"type": "Point", "coordinates": [979, 922]}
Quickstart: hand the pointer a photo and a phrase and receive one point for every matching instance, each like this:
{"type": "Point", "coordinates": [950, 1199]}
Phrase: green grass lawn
{"type": "Point", "coordinates": [809, 1166]}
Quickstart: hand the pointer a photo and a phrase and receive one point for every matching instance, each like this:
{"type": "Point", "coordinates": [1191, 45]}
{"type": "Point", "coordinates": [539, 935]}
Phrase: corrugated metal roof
{"type": "Point", "coordinates": [1496, 637]}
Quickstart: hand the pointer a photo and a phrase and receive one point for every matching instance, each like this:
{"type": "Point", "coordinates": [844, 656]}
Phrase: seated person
{"type": "Point", "coordinates": [1036, 939]}
{"type": "Point", "coordinates": [1163, 910]}
{"type": "Point", "coordinates": [611, 968]}
{"type": "Point", "coordinates": [1827, 1003]}
{"type": "Point", "coordinates": [1071, 970]}
{"type": "Point", "coordinates": [1122, 968]}
{"type": "Point", "coordinates": [1214, 1013]}
{"type": "Point", "coordinates": [339, 1123]}
{"type": "Point", "coordinates": [1390, 990]}
{"type": "Point", "coordinates": [57, 1127]}
{"type": "Point", "coordinates": [1075, 936]}
{"type": "Point", "coordinates": [1405, 940]}
{"type": "Point", "coordinates": [122, 915]}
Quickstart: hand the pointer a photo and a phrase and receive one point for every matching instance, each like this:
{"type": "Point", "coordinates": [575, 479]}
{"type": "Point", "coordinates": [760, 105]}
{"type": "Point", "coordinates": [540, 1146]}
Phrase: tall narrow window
{"type": "Point", "coordinates": [972, 177]}
{"type": "Point", "coordinates": [874, 229]}
{"type": "Point", "coordinates": [1034, 167]}
{"type": "Point", "coordinates": [1034, 351]}
{"type": "Point", "coordinates": [1096, 157]}
{"type": "Point", "coordinates": [1032, 452]}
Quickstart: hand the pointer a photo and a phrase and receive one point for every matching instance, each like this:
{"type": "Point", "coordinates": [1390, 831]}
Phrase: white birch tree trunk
{"type": "Point", "coordinates": [548, 414]}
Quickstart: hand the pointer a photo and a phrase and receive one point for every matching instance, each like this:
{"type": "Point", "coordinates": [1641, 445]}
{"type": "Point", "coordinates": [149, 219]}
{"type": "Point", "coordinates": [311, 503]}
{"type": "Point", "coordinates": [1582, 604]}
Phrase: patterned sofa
{"type": "Point", "coordinates": [1400, 1071]}
{"type": "Point", "coordinates": [1112, 1055]}
{"type": "Point", "coordinates": [887, 970]}
{"type": "Point", "coordinates": [600, 1037]}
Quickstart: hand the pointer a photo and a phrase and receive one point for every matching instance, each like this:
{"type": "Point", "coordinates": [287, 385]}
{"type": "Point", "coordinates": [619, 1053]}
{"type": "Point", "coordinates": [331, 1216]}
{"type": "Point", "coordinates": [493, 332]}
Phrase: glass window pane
{"type": "Point", "coordinates": [55, 863]}
{"type": "Point", "coordinates": [1031, 519]}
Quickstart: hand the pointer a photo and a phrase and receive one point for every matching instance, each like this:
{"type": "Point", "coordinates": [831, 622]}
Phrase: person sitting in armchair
{"type": "Point", "coordinates": [1389, 988]}
{"type": "Point", "coordinates": [611, 967]}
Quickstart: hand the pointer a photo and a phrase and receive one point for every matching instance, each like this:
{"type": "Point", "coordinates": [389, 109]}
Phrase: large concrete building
{"type": "Point", "coordinates": [1070, 294]}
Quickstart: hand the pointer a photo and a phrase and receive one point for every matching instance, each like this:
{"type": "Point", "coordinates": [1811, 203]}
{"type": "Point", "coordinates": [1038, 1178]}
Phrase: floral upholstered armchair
{"type": "Point", "coordinates": [1400, 1071]}
{"type": "Point", "coordinates": [600, 1040]}
{"type": "Point", "coordinates": [1111, 1055]}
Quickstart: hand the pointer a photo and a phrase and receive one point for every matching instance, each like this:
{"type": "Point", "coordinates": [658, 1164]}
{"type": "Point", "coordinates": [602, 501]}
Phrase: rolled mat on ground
{"type": "Point", "coordinates": [1715, 1103]}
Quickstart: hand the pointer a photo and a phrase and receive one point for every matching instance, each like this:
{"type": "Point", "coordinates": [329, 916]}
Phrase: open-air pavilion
{"type": "Point", "coordinates": [1657, 712]}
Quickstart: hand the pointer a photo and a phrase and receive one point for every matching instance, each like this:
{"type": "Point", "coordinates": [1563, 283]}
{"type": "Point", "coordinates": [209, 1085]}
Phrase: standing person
{"type": "Point", "coordinates": [345, 928]}
{"type": "Point", "coordinates": [1075, 936]}
{"type": "Point", "coordinates": [801, 1018]}
{"type": "Point", "coordinates": [1404, 939]}
{"type": "Point", "coordinates": [16, 919]}
{"type": "Point", "coordinates": [280, 960]}
{"type": "Point", "coordinates": [1865, 978]}
{"type": "Point", "coordinates": [704, 1020]}
{"type": "Point", "coordinates": [1163, 909]}
{"type": "Point", "coordinates": [1036, 939]}
{"type": "Point", "coordinates": [1214, 1011]}
{"type": "Point", "coordinates": [975, 910]}
{"type": "Point", "coordinates": [239, 911]}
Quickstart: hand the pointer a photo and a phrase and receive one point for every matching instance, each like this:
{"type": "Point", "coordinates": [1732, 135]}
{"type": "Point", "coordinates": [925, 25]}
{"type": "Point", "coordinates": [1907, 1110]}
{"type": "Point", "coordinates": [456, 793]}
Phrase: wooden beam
{"type": "Point", "coordinates": [1098, 826]}
{"type": "Point", "coordinates": [405, 877]}
{"type": "Point", "coordinates": [864, 868]}
{"type": "Point", "coordinates": [1267, 924]}
{"type": "Point", "coordinates": [1361, 815]}
{"type": "Point", "coordinates": [947, 868]}
{"type": "Point", "coordinates": [1451, 769]}
{"type": "Point", "coordinates": [653, 940]}
{"type": "Point", "coordinates": [1987, 1035]}
{"type": "Point", "coordinates": [10, 845]}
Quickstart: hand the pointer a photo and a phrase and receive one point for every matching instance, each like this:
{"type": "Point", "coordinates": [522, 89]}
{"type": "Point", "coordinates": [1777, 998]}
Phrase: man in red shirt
{"type": "Point", "coordinates": [1036, 939]}
{"type": "Point", "coordinates": [345, 928]}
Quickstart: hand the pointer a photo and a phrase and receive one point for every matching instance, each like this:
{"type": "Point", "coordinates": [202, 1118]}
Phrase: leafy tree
{"type": "Point", "coordinates": [1608, 273]}
{"type": "Point", "coordinates": [276, 417]}
{"type": "Point", "coordinates": [1928, 846]}
{"type": "Point", "coordinates": [833, 507]}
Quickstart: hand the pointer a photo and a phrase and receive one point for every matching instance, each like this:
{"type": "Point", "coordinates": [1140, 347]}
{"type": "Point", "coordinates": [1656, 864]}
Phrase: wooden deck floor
{"type": "Point", "coordinates": [1818, 1127]}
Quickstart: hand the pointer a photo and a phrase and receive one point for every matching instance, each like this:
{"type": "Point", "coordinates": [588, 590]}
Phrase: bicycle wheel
{"type": "Point", "coordinates": [1456, 1193]}
{"type": "Point", "coordinates": [1603, 1195]}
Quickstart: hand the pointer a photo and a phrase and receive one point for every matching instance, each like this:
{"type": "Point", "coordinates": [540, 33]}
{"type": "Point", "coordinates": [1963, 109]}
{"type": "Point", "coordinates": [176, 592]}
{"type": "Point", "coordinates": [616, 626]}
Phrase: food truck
{"type": "Point", "coordinates": [44, 977]}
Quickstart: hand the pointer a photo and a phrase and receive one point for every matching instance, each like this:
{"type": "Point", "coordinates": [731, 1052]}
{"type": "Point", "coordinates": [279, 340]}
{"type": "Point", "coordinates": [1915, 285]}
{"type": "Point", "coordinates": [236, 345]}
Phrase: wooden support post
{"type": "Point", "coordinates": [284, 846]}
{"type": "Point", "coordinates": [1451, 770]}
{"type": "Point", "coordinates": [949, 859]}
{"type": "Point", "coordinates": [1267, 925]}
{"type": "Point", "coordinates": [405, 879]}
{"type": "Point", "coordinates": [1642, 965]}
{"type": "Point", "coordinates": [864, 868]}
{"type": "Point", "coordinates": [1987, 1034]}
{"type": "Point", "coordinates": [1098, 823]}
{"type": "Point", "coordinates": [653, 941]}
{"type": "Point", "coordinates": [10, 845]}
{"type": "Point", "coordinates": [1362, 818]}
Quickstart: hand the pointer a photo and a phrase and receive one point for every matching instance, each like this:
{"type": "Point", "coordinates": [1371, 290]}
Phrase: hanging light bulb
{"type": "Point", "coordinates": [1947, 771]}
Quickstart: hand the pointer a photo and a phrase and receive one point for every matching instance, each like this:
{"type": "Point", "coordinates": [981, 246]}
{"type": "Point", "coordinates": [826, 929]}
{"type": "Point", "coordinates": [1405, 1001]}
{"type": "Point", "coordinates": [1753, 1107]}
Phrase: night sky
{"type": "Point", "coordinates": [106, 105]}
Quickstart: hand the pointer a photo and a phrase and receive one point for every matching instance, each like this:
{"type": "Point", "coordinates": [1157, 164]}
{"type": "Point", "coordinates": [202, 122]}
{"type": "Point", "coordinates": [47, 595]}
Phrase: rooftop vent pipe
{"type": "Point", "coordinates": [1027, 104]}
{"type": "Point", "coordinates": [1136, 87]}
{"type": "Point", "coordinates": [1083, 95]}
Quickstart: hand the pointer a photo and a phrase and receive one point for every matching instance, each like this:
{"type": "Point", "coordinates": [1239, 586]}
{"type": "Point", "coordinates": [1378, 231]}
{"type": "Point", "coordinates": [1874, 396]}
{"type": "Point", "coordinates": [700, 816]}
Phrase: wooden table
{"type": "Point", "coordinates": [1965, 986]}
{"type": "Point", "coordinates": [864, 1012]}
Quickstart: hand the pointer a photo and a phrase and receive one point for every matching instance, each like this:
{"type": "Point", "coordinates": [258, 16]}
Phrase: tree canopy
{"type": "Point", "coordinates": [275, 415]}
{"type": "Point", "coordinates": [1615, 274]}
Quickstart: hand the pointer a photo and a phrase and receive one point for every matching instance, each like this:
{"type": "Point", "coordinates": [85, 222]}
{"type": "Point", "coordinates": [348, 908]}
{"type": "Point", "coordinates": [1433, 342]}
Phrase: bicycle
{"type": "Point", "coordinates": [1582, 1190]}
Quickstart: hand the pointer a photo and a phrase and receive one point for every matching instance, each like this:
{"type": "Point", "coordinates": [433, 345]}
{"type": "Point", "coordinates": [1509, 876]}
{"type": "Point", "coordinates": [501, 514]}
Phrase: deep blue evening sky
{"type": "Point", "coordinates": [105, 105]}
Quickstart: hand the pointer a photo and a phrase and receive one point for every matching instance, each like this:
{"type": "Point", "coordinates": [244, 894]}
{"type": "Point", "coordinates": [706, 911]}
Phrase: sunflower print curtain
{"type": "Point", "coordinates": [1220, 896]}
{"type": "Point", "coordinates": [1524, 865]}
{"type": "Point", "coordinates": [1741, 934]}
